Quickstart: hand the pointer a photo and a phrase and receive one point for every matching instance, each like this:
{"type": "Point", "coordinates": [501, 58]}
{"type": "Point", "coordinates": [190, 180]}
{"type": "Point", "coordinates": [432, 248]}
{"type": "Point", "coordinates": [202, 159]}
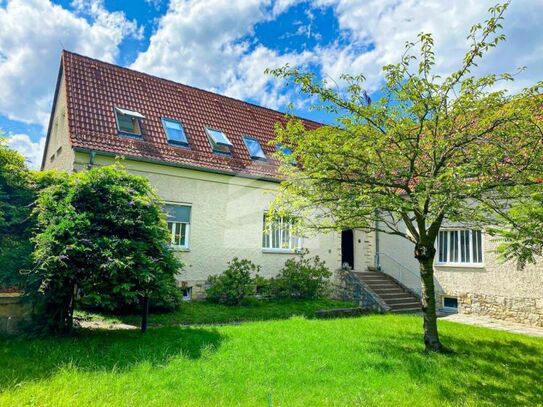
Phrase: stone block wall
{"type": "Point", "coordinates": [515, 309]}
{"type": "Point", "coordinates": [13, 312]}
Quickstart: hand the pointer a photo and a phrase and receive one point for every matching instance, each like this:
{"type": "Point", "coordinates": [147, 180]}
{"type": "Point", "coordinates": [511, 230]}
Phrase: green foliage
{"type": "Point", "coordinates": [302, 277]}
{"type": "Point", "coordinates": [234, 284]}
{"type": "Point", "coordinates": [522, 235]}
{"type": "Point", "coordinates": [429, 148]}
{"type": "Point", "coordinates": [102, 239]}
{"type": "Point", "coordinates": [16, 197]}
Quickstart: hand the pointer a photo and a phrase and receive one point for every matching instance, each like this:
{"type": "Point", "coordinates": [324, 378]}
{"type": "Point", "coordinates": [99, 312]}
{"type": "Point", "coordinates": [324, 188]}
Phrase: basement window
{"type": "Point", "coordinates": [450, 303]}
{"type": "Point", "coordinates": [219, 141]}
{"type": "Point", "coordinates": [187, 293]}
{"type": "Point", "coordinates": [175, 132]}
{"type": "Point", "coordinates": [254, 148]}
{"type": "Point", "coordinates": [128, 121]}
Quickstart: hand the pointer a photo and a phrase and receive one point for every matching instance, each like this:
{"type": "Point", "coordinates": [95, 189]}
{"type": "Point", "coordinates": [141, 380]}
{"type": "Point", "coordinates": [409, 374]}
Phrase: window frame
{"type": "Point", "coordinates": [458, 248]}
{"type": "Point", "coordinates": [134, 115]}
{"type": "Point", "coordinates": [214, 144]}
{"type": "Point", "coordinates": [163, 120]}
{"type": "Point", "coordinates": [186, 246]}
{"type": "Point", "coordinates": [444, 307]}
{"type": "Point", "coordinates": [268, 231]}
{"type": "Point", "coordinates": [253, 157]}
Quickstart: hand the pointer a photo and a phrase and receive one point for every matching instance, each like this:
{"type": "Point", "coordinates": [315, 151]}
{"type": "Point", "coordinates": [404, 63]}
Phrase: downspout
{"type": "Point", "coordinates": [92, 157]}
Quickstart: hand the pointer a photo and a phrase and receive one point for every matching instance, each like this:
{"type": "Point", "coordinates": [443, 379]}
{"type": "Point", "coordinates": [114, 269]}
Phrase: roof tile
{"type": "Point", "coordinates": [95, 88]}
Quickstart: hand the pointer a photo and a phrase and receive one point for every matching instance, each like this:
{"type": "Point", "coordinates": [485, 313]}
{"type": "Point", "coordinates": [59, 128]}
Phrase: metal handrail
{"type": "Point", "coordinates": [400, 268]}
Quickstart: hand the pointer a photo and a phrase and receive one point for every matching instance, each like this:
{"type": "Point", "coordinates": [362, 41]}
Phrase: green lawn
{"type": "Point", "coordinates": [370, 361]}
{"type": "Point", "coordinates": [202, 312]}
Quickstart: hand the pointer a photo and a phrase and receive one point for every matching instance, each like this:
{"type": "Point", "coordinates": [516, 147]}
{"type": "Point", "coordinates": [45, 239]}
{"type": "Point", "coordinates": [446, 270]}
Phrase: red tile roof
{"type": "Point", "coordinates": [95, 88]}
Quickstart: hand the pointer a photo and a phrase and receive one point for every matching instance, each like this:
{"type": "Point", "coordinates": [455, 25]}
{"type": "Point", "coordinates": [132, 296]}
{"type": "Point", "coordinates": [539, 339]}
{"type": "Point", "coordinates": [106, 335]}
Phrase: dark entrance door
{"type": "Point", "coordinates": [347, 248]}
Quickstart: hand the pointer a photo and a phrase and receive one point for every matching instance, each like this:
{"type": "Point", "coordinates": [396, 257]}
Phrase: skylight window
{"type": "Point", "coordinates": [175, 132]}
{"type": "Point", "coordinates": [219, 141]}
{"type": "Point", "coordinates": [255, 149]}
{"type": "Point", "coordinates": [128, 121]}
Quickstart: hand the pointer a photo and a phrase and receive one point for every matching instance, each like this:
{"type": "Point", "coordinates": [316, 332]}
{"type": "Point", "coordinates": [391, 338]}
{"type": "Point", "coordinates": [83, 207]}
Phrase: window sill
{"type": "Point", "coordinates": [461, 265]}
{"type": "Point", "coordinates": [281, 251]}
{"type": "Point", "coordinates": [180, 249]}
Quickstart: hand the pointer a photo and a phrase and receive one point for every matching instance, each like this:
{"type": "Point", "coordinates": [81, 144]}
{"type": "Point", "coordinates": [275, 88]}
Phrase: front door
{"type": "Point", "coordinates": [347, 248]}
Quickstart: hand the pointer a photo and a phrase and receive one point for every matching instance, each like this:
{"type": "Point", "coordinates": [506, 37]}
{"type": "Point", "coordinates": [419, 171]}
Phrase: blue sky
{"type": "Point", "coordinates": [225, 45]}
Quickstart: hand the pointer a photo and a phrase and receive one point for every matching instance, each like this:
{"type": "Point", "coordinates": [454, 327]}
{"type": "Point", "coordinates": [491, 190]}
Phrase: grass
{"type": "Point", "coordinates": [202, 312]}
{"type": "Point", "coordinates": [375, 360]}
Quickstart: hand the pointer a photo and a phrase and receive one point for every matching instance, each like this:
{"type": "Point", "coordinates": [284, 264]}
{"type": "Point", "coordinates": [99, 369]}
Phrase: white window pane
{"type": "Point", "coordinates": [218, 137]}
{"type": "Point", "coordinates": [453, 255]}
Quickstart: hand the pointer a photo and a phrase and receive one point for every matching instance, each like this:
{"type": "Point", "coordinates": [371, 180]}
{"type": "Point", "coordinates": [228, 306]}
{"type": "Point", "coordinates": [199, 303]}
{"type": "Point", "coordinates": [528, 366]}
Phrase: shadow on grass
{"type": "Point", "coordinates": [100, 350]}
{"type": "Point", "coordinates": [491, 370]}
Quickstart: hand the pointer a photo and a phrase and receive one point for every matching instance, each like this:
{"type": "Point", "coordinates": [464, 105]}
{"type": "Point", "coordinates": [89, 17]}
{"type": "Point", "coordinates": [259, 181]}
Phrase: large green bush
{"type": "Point", "coordinates": [302, 277]}
{"type": "Point", "coordinates": [234, 284]}
{"type": "Point", "coordinates": [102, 239]}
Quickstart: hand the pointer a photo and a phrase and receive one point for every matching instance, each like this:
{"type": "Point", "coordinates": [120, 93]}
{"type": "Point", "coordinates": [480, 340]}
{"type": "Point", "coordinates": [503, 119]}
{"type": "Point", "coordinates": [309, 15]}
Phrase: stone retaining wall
{"type": "Point", "coordinates": [13, 312]}
{"type": "Point", "coordinates": [522, 310]}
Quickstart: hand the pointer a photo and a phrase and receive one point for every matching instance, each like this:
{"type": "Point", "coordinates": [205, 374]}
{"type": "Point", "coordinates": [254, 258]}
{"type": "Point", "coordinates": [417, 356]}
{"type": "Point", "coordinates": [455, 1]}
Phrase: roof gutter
{"type": "Point", "coordinates": [93, 154]}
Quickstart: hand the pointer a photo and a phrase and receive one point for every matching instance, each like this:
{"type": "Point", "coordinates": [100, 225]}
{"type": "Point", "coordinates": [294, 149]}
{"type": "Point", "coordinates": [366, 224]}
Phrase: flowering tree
{"type": "Point", "coordinates": [430, 148]}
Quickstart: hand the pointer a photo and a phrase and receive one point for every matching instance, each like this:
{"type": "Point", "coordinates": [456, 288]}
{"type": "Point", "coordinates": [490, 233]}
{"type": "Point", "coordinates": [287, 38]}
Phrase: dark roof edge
{"type": "Point", "coordinates": [178, 165]}
{"type": "Point", "coordinates": [192, 87]}
{"type": "Point", "coordinates": [53, 111]}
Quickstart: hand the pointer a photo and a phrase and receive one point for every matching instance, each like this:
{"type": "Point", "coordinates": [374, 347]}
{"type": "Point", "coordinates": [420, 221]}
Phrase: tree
{"type": "Point", "coordinates": [521, 231]}
{"type": "Point", "coordinates": [430, 149]}
{"type": "Point", "coordinates": [101, 237]}
{"type": "Point", "coordinates": [16, 197]}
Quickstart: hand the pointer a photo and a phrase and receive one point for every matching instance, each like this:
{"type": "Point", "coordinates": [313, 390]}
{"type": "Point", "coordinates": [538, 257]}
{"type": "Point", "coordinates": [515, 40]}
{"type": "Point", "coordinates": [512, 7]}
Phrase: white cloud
{"type": "Point", "coordinates": [206, 43]}
{"type": "Point", "coordinates": [32, 35]}
{"type": "Point", "coordinates": [385, 26]}
{"type": "Point", "coordinates": [31, 150]}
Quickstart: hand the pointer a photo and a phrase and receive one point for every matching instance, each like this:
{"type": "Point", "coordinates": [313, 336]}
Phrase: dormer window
{"type": "Point", "coordinates": [254, 148]}
{"type": "Point", "coordinates": [219, 141]}
{"type": "Point", "coordinates": [128, 121]}
{"type": "Point", "coordinates": [175, 132]}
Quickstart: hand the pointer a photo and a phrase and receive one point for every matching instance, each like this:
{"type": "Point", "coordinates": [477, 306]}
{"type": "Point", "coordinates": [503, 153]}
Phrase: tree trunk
{"type": "Point", "coordinates": [144, 313]}
{"type": "Point", "coordinates": [425, 256]}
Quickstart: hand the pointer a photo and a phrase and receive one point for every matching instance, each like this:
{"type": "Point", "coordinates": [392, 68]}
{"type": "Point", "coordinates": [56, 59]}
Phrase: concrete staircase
{"type": "Point", "coordinates": [392, 293]}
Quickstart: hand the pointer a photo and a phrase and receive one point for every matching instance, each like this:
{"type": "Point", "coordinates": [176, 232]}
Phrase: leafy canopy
{"type": "Point", "coordinates": [429, 147]}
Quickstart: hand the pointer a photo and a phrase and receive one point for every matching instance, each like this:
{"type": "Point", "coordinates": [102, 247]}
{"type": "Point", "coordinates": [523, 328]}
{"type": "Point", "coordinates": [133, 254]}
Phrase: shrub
{"type": "Point", "coordinates": [234, 284]}
{"type": "Point", "coordinates": [102, 238]}
{"type": "Point", "coordinates": [302, 277]}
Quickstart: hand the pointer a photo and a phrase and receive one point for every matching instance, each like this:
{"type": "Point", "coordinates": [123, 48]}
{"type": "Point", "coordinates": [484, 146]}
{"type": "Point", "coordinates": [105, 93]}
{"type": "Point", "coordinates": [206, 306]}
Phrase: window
{"type": "Point", "coordinates": [178, 225]}
{"type": "Point", "coordinates": [255, 150]}
{"type": "Point", "coordinates": [450, 302]}
{"type": "Point", "coordinates": [278, 235]}
{"type": "Point", "coordinates": [287, 152]}
{"type": "Point", "coordinates": [219, 141]}
{"type": "Point", "coordinates": [460, 246]}
{"type": "Point", "coordinates": [128, 121]}
{"type": "Point", "coordinates": [175, 132]}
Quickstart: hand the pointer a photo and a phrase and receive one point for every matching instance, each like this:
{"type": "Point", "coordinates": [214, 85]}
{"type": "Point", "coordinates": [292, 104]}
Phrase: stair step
{"type": "Point", "coordinates": [392, 290]}
{"type": "Point", "coordinates": [400, 300]}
